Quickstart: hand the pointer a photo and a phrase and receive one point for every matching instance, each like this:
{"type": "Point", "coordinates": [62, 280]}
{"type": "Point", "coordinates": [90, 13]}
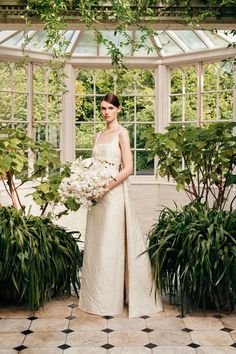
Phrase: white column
{"type": "Point", "coordinates": [162, 98]}
{"type": "Point", "coordinates": [68, 138]}
{"type": "Point", "coordinates": [162, 107]}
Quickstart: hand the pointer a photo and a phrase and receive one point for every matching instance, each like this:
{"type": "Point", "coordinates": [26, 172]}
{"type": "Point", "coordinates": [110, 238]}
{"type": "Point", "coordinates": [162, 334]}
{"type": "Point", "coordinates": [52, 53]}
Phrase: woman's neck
{"type": "Point", "coordinates": [112, 127]}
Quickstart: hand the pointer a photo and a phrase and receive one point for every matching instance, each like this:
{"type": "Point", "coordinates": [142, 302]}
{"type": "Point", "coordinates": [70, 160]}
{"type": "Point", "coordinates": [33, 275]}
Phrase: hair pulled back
{"type": "Point", "coordinates": [112, 99]}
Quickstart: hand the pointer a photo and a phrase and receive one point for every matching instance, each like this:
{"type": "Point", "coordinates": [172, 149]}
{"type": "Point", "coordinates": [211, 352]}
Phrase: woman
{"type": "Point", "coordinates": [113, 270]}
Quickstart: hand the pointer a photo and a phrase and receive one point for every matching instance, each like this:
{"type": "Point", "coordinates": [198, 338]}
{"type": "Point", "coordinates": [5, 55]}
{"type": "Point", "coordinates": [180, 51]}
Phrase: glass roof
{"type": "Point", "coordinates": [164, 43]}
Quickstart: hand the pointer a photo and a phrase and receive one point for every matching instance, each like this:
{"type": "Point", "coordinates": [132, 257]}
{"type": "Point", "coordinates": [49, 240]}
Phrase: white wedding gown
{"type": "Point", "coordinates": [113, 270]}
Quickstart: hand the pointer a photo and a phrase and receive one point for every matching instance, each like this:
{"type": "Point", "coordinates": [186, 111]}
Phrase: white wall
{"type": "Point", "coordinates": [148, 199]}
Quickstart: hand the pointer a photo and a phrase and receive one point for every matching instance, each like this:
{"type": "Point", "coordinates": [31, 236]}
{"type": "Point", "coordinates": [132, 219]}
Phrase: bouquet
{"type": "Point", "coordinates": [87, 181]}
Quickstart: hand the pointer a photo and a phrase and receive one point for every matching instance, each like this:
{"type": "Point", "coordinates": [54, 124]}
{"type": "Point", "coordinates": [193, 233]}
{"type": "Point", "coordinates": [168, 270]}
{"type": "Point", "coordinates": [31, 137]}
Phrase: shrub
{"type": "Point", "coordinates": [193, 256]}
{"type": "Point", "coordinates": [38, 259]}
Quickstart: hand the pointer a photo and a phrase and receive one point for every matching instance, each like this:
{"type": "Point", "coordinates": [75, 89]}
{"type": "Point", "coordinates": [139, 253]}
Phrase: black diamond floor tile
{"type": "Point", "coordinates": [64, 346]}
{"type": "Point", "coordinates": [27, 331]}
{"type": "Point", "coordinates": [233, 345]}
{"type": "Point", "coordinates": [145, 317]}
{"type": "Point", "coordinates": [70, 317]}
{"type": "Point", "coordinates": [148, 330]}
{"type": "Point", "coordinates": [150, 345]}
{"type": "Point", "coordinates": [186, 330]}
{"type": "Point", "coordinates": [193, 345]}
{"type": "Point", "coordinates": [108, 317]}
{"type": "Point", "coordinates": [226, 329]}
{"type": "Point", "coordinates": [107, 346]}
{"type": "Point", "coordinates": [72, 306]}
{"type": "Point", "coordinates": [67, 330]}
{"type": "Point", "coordinates": [32, 318]}
{"type": "Point", "coordinates": [20, 348]}
{"type": "Point", "coordinates": [107, 330]}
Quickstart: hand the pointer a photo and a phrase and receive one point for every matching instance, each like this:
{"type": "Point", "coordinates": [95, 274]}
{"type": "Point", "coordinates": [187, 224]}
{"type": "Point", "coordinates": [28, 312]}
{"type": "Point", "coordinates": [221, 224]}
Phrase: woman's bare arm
{"type": "Point", "coordinates": [127, 160]}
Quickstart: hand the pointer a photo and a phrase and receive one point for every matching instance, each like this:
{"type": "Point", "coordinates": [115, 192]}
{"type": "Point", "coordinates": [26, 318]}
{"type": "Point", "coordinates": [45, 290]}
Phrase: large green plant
{"type": "Point", "coordinates": [24, 159]}
{"type": "Point", "coordinates": [193, 256]}
{"type": "Point", "coordinates": [37, 259]}
{"type": "Point", "coordinates": [201, 160]}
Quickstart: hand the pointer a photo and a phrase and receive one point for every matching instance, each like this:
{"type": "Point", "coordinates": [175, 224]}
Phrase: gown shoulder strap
{"type": "Point", "coordinates": [97, 137]}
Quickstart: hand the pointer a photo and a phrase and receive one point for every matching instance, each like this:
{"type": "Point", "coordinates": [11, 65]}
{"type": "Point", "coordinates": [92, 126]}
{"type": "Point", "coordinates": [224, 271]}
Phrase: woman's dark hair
{"type": "Point", "coordinates": [112, 99]}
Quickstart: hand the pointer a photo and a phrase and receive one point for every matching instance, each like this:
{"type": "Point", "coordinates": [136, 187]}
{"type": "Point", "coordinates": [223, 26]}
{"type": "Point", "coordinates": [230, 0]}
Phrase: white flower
{"type": "Point", "coordinates": [87, 181]}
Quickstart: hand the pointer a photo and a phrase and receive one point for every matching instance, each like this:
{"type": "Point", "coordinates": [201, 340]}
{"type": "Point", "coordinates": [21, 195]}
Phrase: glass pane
{"type": "Point", "coordinates": [209, 107]}
{"type": "Point", "coordinates": [226, 77]}
{"type": "Point", "coordinates": [118, 39]}
{"type": "Point", "coordinates": [5, 76]}
{"type": "Point", "coordinates": [52, 81]}
{"type": "Point", "coordinates": [191, 105]}
{"type": "Point", "coordinates": [84, 109]}
{"type": "Point", "coordinates": [176, 81]}
{"type": "Point", "coordinates": [105, 81]}
{"type": "Point", "coordinates": [130, 128]}
{"type": "Point", "coordinates": [54, 108]}
{"type": "Point", "coordinates": [40, 132]}
{"type": "Point", "coordinates": [126, 84]}
{"type": "Point", "coordinates": [176, 108]}
{"type": "Point", "coordinates": [84, 136]}
{"type": "Point", "coordinates": [226, 105]}
{"type": "Point", "coordinates": [143, 166]}
{"type": "Point", "coordinates": [39, 107]}
{"type": "Point", "coordinates": [20, 107]}
{"type": "Point", "coordinates": [140, 129]}
{"type": "Point", "coordinates": [39, 79]}
{"type": "Point", "coordinates": [145, 108]}
{"type": "Point", "coordinates": [191, 80]}
{"type": "Point", "coordinates": [87, 44]}
{"type": "Point", "coordinates": [148, 49]}
{"type": "Point", "coordinates": [84, 83]}
{"type": "Point", "coordinates": [145, 82]}
{"type": "Point", "coordinates": [99, 117]}
{"type": "Point", "coordinates": [210, 77]}
{"type": "Point", "coordinates": [84, 153]}
{"type": "Point", "coordinates": [127, 113]}
{"type": "Point", "coordinates": [169, 47]}
{"type": "Point", "coordinates": [100, 127]}
{"type": "Point", "coordinates": [20, 78]}
{"type": "Point", "coordinates": [54, 135]}
{"type": "Point", "coordinates": [191, 40]}
{"type": "Point", "coordinates": [216, 40]}
{"type": "Point", "coordinates": [5, 106]}
{"type": "Point", "coordinates": [18, 126]}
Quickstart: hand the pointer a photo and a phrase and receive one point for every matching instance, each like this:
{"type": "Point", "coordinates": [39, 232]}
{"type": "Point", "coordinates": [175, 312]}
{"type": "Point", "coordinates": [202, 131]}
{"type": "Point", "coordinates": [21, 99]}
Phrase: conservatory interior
{"type": "Point", "coordinates": [179, 77]}
{"type": "Point", "coordinates": [185, 78]}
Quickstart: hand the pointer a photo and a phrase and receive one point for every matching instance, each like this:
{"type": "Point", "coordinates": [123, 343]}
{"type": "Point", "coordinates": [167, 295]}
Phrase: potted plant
{"type": "Point", "coordinates": [193, 250]}
{"type": "Point", "coordinates": [38, 259]}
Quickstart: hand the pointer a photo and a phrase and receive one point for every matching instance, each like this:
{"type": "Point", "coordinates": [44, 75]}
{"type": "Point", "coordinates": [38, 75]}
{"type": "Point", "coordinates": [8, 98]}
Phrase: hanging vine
{"type": "Point", "coordinates": [121, 14]}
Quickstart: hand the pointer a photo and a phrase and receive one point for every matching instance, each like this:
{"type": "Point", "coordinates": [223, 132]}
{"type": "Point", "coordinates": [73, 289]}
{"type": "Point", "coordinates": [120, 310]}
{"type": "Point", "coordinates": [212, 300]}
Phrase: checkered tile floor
{"type": "Point", "coordinates": [61, 327]}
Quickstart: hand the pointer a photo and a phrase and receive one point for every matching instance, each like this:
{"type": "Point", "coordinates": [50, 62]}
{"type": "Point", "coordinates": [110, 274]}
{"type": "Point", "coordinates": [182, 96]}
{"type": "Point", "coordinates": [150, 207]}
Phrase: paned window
{"type": "Point", "coordinates": [136, 91]}
{"type": "Point", "coordinates": [202, 93]}
{"type": "Point", "coordinates": [30, 102]}
{"type": "Point", "coordinates": [14, 92]}
{"type": "Point", "coordinates": [47, 106]}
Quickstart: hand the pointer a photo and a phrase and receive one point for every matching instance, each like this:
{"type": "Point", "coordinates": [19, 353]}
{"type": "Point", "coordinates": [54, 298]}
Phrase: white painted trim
{"type": "Point", "coordinates": [68, 134]}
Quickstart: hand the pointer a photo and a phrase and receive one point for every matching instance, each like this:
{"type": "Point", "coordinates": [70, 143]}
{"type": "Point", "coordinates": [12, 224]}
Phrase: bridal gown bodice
{"type": "Point", "coordinates": [113, 270]}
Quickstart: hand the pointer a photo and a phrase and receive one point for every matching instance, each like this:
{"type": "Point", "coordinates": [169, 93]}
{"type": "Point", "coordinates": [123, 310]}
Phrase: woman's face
{"type": "Point", "coordinates": [109, 112]}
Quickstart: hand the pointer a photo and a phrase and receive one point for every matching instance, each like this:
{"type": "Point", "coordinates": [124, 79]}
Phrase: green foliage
{"type": "Point", "coordinates": [193, 256]}
{"type": "Point", "coordinates": [38, 259]}
{"type": "Point", "coordinates": [200, 160]}
{"type": "Point", "coordinates": [16, 150]}
{"type": "Point", "coordinates": [122, 14]}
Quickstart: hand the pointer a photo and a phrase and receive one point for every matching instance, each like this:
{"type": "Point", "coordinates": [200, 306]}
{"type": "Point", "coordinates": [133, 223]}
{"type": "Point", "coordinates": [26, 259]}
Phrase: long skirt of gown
{"type": "Point", "coordinates": [113, 270]}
